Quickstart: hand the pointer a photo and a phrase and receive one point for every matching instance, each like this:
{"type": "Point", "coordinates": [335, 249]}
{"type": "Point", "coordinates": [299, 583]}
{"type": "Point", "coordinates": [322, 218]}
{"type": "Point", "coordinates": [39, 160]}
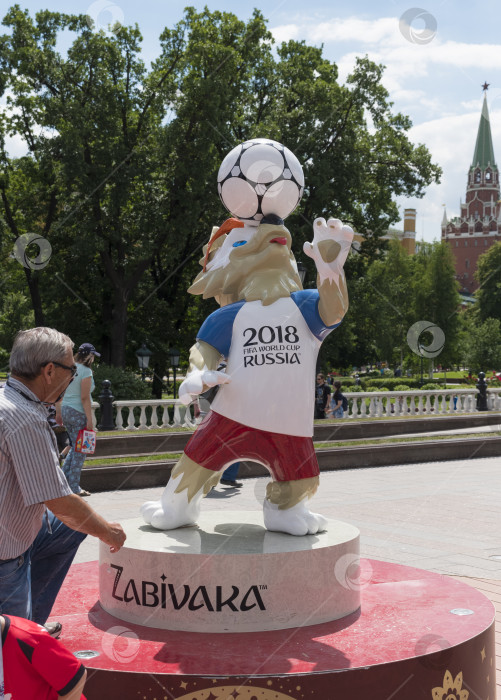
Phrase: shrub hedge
{"type": "Point", "coordinates": [124, 383]}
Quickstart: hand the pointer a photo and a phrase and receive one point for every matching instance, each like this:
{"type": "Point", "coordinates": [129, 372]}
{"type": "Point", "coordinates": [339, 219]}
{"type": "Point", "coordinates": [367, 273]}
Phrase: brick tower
{"type": "Point", "coordinates": [479, 225]}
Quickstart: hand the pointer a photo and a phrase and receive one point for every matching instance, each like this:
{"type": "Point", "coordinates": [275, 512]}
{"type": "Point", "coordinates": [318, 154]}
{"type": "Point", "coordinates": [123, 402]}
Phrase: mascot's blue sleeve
{"type": "Point", "coordinates": [217, 328]}
{"type": "Point", "coordinates": [307, 303]}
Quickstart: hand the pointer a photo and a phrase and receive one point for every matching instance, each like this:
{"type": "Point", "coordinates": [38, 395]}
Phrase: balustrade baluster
{"type": "Point", "coordinates": [386, 410]}
{"type": "Point", "coordinates": [154, 416]}
{"type": "Point", "coordinates": [363, 408]}
{"type": "Point", "coordinates": [373, 407]}
{"type": "Point", "coordinates": [142, 418]}
{"type": "Point", "coordinates": [119, 424]}
{"type": "Point", "coordinates": [165, 415]}
{"type": "Point", "coordinates": [412, 405]}
{"type": "Point", "coordinates": [130, 419]}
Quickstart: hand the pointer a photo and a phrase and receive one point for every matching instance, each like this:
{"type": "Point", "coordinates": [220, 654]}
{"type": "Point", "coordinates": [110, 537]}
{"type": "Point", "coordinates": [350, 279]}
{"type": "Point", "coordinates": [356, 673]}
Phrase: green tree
{"type": "Point", "coordinates": [488, 275]}
{"type": "Point", "coordinates": [389, 303]}
{"type": "Point", "coordinates": [123, 159]}
{"type": "Point", "coordinates": [15, 315]}
{"type": "Point", "coordinates": [435, 296]}
{"type": "Point", "coordinates": [482, 344]}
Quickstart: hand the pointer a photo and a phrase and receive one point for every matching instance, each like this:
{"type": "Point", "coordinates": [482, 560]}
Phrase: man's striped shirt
{"type": "Point", "coordinates": [29, 468]}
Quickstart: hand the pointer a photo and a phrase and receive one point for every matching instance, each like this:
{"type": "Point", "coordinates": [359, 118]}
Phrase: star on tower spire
{"type": "Point", "coordinates": [485, 86]}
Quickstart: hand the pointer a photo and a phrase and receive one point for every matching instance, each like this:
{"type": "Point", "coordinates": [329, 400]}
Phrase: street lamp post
{"type": "Point", "coordinates": [174, 360]}
{"type": "Point", "coordinates": [143, 359]}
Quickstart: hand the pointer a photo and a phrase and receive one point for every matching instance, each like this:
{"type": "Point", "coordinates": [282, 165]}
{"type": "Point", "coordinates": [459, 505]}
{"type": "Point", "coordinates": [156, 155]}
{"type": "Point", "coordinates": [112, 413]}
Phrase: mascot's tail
{"type": "Point", "coordinates": [228, 225]}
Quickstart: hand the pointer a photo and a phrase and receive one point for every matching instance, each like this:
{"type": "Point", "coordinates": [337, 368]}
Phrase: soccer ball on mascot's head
{"type": "Point", "coordinates": [259, 178]}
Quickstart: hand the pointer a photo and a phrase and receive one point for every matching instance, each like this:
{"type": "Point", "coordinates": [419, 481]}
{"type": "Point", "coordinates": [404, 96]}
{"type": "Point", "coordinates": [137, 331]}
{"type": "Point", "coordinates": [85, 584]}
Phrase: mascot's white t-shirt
{"type": "Point", "coordinates": [271, 354]}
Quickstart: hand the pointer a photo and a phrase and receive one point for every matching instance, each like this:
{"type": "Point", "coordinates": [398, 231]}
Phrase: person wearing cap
{"type": "Point", "coordinates": [76, 413]}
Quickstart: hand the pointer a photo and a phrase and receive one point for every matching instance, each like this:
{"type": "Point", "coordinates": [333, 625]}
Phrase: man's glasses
{"type": "Point", "coordinates": [73, 369]}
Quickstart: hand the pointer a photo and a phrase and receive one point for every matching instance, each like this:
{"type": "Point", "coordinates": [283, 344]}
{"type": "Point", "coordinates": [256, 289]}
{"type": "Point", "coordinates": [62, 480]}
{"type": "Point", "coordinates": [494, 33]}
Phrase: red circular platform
{"type": "Point", "coordinates": [404, 643]}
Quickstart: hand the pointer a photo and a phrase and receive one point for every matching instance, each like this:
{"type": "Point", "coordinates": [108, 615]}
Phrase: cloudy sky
{"type": "Point", "coordinates": [437, 57]}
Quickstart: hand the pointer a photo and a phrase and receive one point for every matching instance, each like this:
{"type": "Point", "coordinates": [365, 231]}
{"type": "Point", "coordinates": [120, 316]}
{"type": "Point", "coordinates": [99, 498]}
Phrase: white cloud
{"type": "Point", "coordinates": [431, 82]}
{"type": "Point", "coordinates": [16, 146]}
{"type": "Point", "coordinates": [383, 41]}
{"type": "Point", "coordinates": [354, 29]}
{"type": "Point", "coordinates": [285, 32]}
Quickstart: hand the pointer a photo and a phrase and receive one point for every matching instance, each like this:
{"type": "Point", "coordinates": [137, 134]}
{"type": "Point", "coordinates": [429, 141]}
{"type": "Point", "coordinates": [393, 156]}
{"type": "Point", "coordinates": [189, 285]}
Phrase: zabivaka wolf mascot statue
{"type": "Point", "coordinates": [268, 330]}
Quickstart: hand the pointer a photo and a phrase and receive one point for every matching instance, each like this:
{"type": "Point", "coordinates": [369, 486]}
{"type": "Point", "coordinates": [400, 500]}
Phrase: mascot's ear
{"type": "Point", "coordinates": [214, 247]}
{"type": "Point", "coordinates": [221, 232]}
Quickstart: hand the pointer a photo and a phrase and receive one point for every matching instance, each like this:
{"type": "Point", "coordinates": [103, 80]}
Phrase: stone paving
{"type": "Point", "coordinates": [440, 516]}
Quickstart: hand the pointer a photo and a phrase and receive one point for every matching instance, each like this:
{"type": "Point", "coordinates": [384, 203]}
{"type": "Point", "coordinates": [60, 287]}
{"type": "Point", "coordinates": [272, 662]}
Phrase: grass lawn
{"type": "Point", "coordinates": [166, 456]}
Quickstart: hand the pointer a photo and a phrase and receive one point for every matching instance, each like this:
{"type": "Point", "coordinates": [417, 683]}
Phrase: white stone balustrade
{"type": "Point", "coordinates": [392, 404]}
{"type": "Point", "coordinates": [156, 413]}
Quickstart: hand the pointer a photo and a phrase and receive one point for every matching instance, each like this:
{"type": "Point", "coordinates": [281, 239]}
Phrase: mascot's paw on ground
{"type": "Point", "coordinates": [330, 247]}
{"type": "Point", "coordinates": [173, 509]}
{"type": "Point", "coordinates": [297, 520]}
{"type": "Point", "coordinates": [155, 515]}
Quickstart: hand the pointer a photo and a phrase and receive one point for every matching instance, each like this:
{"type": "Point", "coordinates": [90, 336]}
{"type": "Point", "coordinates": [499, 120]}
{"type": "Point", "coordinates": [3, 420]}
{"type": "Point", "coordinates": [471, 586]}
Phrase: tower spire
{"type": "Point", "coordinates": [444, 218]}
{"type": "Point", "coordinates": [484, 151]}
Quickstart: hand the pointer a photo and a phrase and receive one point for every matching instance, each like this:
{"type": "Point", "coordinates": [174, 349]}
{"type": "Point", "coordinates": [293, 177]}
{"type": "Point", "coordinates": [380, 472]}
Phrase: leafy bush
{"type": "Point", "coordinates": [354, 388]}
{"type": "Point", "coordinates": [391, 383]}
{"type": "Point", "coordinates": [345, 381]}
{"type": "Point", "coordinates": [428, 387]}
{"type": "Point", "coordinates": [125, 384]}
{"type": "Point", "coordinates": [401, 387]}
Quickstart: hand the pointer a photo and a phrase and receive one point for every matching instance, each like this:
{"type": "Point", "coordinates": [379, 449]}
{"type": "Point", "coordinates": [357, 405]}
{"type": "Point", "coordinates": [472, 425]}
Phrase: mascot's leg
{"type": "Point", "coordinates": [179, 504]}
{"type": "Point", "coordinates": [285, 507]}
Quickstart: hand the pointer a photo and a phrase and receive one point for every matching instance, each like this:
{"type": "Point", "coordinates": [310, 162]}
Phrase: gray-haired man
{"type": "Point", "coordinates": [42, 523]}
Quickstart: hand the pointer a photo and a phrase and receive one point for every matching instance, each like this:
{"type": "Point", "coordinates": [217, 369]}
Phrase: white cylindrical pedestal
{"type": "Point", "coordinates": [230, 574]}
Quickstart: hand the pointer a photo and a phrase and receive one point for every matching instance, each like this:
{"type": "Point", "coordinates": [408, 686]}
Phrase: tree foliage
{"type": "Point", "coordinates": [482, 344]}
{"type": "Point", "coordinates": [122, 161]}
{"type": "Point", "coordinates": [488, 275]}
{"type": "Point", "coordinates": [397, 291]}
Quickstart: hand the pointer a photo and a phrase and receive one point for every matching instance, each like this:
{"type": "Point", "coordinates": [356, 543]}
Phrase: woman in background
{"type": "Point", "coordinates": [77, 413]}
{"type": "Point", "coordinates": [336, 407]}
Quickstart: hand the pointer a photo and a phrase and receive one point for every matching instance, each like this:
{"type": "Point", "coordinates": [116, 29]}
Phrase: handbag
{"type": "Point", "coordinates": [2, 686]}
{"type": "Point", "coordinates": [86, 442]}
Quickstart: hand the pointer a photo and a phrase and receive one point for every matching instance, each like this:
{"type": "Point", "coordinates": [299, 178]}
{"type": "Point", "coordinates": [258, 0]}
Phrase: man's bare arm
{"type": "Point", "coordinates": [74, 512]}
{"type": "Point", "coordinates": [76, 692]}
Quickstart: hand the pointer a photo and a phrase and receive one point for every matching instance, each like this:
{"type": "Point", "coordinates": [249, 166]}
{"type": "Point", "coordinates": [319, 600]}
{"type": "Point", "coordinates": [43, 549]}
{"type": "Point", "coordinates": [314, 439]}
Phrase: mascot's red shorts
{"type": "Point", "coordinates": [220, 441]}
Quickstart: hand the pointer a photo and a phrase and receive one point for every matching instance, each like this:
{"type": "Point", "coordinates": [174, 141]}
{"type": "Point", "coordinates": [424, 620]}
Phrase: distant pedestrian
{"type": "Point", "coordinates": [229, 477]}
{"type": "Point", "coordinates": [338, 402]}
{"type": "Point", "coordinates": [322, 396]}
{"type": "Point", "coordinates": [76, 411]}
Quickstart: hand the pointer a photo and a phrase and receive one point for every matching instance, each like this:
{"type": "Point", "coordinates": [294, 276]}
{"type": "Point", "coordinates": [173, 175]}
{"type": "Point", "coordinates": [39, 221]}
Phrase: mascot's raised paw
{"type": "Point", "coordinates": [330, 247]}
